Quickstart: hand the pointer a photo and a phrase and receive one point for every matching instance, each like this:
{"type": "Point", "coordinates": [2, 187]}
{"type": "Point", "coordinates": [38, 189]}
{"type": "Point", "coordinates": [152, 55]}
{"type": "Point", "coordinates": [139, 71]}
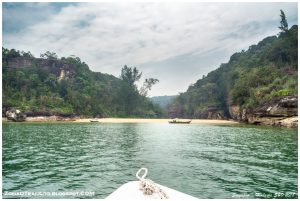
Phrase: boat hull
{"type": "Point", "coordinates": [179, 122]}
{"type": "Point", "coordinates": [130, 191]}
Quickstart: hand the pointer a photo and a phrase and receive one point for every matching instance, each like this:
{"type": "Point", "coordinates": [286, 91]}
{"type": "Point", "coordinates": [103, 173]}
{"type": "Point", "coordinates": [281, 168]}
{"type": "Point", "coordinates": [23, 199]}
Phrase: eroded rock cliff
{"type": "Point", "coordinates": [279, 112]}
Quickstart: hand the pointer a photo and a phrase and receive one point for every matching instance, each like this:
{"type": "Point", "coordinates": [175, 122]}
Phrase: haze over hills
{"type": "Point", "coordinates": [163, 101]}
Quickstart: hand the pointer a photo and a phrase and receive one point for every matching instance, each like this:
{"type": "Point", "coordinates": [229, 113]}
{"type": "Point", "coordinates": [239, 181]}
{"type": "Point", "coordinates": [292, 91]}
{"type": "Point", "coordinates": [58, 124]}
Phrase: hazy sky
{"type": "Point", "coordinates": [176, 43]}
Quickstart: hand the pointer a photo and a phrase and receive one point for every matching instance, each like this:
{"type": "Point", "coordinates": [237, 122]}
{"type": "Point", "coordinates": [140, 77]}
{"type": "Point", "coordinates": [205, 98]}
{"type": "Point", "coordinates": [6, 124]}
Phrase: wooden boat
{"type": "Point", "coordinates": [94, 120]}
{"type": "Point", "coordinates": [177, 121]}
{"type": "Point", "coordinates": [146, 189]}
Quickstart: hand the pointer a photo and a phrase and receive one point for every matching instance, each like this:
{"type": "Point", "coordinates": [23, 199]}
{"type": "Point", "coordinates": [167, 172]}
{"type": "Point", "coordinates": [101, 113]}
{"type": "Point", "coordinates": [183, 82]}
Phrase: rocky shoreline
{"type": "Point", "coordinates": [43, 119]}
{"type": "Point", "coordinates": [282, 112]}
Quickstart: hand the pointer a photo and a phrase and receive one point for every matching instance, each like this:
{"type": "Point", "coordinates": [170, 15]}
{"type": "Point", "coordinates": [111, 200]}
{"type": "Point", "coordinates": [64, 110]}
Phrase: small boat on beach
{"type": "Point", "coordinates": [146, 189]}
{"type": "Point", "coordinates": [94, 120]}
{"type": "Point", "coordinates": [177, 121]}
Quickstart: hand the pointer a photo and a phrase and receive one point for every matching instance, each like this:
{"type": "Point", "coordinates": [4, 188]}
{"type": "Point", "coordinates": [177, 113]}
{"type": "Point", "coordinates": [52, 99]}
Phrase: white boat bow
{"type": "Point", "coordinates": [146, 189]}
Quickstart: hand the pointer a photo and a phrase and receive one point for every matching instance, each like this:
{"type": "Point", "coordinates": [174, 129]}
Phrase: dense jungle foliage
{"type": "Point", "coordinates": [39, 89]}
{"type": "Point", "coordinates": [264, 72]}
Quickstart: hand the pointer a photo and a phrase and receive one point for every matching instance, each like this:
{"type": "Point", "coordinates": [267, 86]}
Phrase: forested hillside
{"type": "Point", "coordinates": [252, 78]}
{"type": "Point", "coordinates": [66, 87]}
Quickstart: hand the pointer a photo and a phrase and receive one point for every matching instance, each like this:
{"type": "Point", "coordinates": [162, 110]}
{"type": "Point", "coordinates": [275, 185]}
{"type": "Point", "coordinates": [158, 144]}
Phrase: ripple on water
{"type": "Point", "coordinates": [200, 160]}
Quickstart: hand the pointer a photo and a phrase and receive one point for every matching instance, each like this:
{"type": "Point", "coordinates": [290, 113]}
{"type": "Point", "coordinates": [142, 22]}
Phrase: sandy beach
{"type": "Point", "coordinates": [121, 120]}
{"type": "Point", "coordinates": [133, 120]}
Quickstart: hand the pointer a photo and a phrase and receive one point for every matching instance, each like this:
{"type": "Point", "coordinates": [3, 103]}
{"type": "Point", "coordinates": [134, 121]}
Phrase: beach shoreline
{"type": "Point", "coordinates": [121, 120]}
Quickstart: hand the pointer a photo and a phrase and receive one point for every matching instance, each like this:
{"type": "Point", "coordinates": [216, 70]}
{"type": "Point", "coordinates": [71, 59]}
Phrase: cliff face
{"type": "Point", "coordinates": [57, 67]}
{"type": "Point", "coordinates": [280, 112]}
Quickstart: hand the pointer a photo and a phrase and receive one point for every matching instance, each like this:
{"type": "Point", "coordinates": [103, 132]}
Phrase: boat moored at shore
{"type": "Point", "coordinates": [178, 121]}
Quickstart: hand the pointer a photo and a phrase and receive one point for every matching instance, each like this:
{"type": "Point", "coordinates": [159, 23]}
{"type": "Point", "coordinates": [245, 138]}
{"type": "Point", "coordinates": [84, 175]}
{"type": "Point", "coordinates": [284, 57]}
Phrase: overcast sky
{"type": "Point", "coordinates": [176, 43]}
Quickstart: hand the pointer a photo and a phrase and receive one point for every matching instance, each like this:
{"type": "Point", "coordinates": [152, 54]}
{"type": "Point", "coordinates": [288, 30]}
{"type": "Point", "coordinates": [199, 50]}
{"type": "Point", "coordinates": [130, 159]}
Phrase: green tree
{"type": "Point", "coordinates": [6, 53]}
{"type": "Point", "coordinates": [148, 83]}
{"type": "Point", "coordinates": [130, 75]}
{"type": "Point", "coordinates": [49, 55]}
{"type": "Point", "coordinates": [26, 54]}
{"type": "Point", "coordinates": [283, 23]}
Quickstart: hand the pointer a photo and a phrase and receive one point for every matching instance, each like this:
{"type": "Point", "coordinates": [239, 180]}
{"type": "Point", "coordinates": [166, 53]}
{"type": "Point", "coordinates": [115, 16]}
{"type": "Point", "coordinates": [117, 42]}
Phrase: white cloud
{"type": "Point", "coordinates": [107, 36]}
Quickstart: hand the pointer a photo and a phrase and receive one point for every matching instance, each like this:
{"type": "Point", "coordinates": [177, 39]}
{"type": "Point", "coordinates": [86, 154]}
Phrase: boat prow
{"type": "Point", "coordinates": [146, 189]}
{"type": "Point", "coordinates": [130, 191]}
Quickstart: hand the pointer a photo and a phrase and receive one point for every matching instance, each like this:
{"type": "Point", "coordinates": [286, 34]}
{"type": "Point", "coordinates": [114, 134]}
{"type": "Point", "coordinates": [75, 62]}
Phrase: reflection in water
{"type": "Point", "coordinates": [200, 160]}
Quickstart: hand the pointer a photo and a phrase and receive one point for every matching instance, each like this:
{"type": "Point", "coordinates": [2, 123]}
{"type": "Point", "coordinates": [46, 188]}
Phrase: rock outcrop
{"type": "Point", "coordinates": [15, 115]}
{"type": "Point", "coordinates": [58, 67]}
{"type": "Point", "coordinates": [211, 113]}
{"type": "Point", "coordinates": [279, 112]}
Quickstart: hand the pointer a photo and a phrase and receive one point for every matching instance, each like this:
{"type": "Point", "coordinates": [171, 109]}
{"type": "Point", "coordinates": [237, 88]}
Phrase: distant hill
{"type": "Point", "coordinates": [163, 101]}
{"type": "Point", "coordinates": [66, 87]}
{"type": "Point", "coordinates": [259, 82]}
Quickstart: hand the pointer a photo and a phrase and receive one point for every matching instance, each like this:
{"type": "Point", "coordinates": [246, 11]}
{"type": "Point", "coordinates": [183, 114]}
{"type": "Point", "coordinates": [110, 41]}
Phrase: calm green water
{"type": "Point", "coordinates": [201, 160]}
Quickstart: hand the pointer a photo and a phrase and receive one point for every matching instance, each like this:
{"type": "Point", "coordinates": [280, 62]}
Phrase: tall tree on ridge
{"type": "Point", "coordinates": [130, 75]}
{"type": "Point", "coordinates": [283, 23]}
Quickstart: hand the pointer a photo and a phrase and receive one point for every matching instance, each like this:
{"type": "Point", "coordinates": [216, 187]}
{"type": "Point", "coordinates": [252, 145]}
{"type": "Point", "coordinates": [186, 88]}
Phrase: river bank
{"type": "Point", "coordinates": [120, 120]}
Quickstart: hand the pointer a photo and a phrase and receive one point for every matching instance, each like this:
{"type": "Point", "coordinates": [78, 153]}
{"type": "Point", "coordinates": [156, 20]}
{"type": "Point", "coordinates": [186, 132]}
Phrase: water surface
{"type": "Point", "coordinates": [205, 161]}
